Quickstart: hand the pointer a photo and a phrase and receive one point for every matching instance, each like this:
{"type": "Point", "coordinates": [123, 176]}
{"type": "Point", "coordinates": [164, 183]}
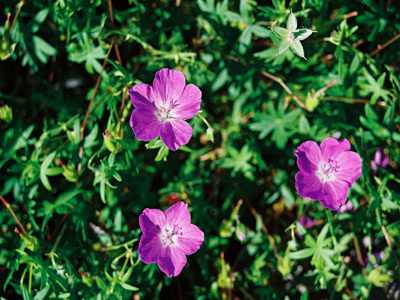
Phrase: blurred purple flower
{"type": "Point", "coordinates": [168, 237]}
{"type": "Point", "coordinates": [240, 235]}
{"type": "Point", "coordinates": [160, 110]}
{"type": "Point", "coordinates": [380, 159]}
{"type": "Point", "coordinates": [348, 206]}
{"type": "Point", "coordinates": [327, 172]}
{"type": "Point", "coordinates": [307, 223]}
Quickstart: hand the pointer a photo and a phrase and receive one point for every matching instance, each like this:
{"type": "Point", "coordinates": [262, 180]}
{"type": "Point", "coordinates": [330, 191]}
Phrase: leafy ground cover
{"type": "Point", "coordinates": [76, 179]}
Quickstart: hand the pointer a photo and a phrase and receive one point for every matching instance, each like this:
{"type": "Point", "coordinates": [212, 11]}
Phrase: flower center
{"type": "Point", "coordinates": [291, 37]}
{"type": "Point", "coordinates": [163, 112]}
{"type": "Point", "coordinates": [326, 171]}
{"type": "Point", "coordinates": [169, 236]}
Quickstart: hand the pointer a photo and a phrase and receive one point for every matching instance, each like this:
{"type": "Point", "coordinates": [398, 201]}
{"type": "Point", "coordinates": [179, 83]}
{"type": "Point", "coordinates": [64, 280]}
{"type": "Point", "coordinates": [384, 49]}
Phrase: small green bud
{"type": "Point", "coordinates": [379, 277]}
{"type": "Point", "coordinates": [210, 134]}
{"type": "Point", "coordinates": [31, 242]}
{"type": "Point", "coordinates": [6, 114]}
{"type": "Point", "coordinates": [6, 48]}
{"type": "Point", "coordinates": [311, 100]}
{"type": "Point", "coordinates": [109, 142]}
{"type": "Point", "coordinates": [68, 172]}
{"type": "Point", "coordinates": [227, 229]}
{"type": "Point", "coordinates": [285, 264]}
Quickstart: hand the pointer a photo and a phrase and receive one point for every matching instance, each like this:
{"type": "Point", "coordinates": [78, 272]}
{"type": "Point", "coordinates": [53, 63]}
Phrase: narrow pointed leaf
{"type": "Point", "coordinates": [302, 34]}
{"type": "Point", "coordinates": [292, 23]}
{"type": "Point", "coordinates": [283, 46]}
{"type": "Point", "coordinates": [280, 32]}
{"type": "Point", "coordinates": [297, 48]}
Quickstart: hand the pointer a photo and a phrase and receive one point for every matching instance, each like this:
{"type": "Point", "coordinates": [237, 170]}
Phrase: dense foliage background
{"type": "Point", "coordinates": [77, 179]}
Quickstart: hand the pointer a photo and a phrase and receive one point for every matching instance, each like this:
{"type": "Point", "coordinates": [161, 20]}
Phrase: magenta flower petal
{"type": "Point", "coordinates": [168, 237]}
{"type": "Point", "coordinates": [140, 97]}
{"type": "Point", "coordinates": [188, 104]}
{"type": "Point", "coordinates": [168, 86]}
{"type": "Point", "coordinates": [192, 242]}
{"type": "Point", "coordinates": [351, 167]}
{"type": "Point", "coordinates": [326, 175]}
{"type": "Point", "coordinates": [175, 133]}
{"type": "Point", "coordinates": [309, 186]}
{"type": "Point", "coordinates": [149, 248]}
{"type": "Point", "coordinates": [308, 156]}
{"type": "Point", "coordinates": [335, 194]}
{"type": "Point", "coordinates": [178, 214]}
{"type": "Point", "coordinates": [160, 109]}
{"type": "Point", "coordinates": [331, 147]}
{"type": "Point", "coordinates": [145, 124]}
{"type": "Point", "coordinates": [152, 221]}
{"type": "Point", "coordinates": [171, 260]}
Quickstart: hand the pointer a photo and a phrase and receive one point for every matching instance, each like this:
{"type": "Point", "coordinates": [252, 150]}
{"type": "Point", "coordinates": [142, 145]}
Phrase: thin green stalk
{"type": "Point", "coordinates": [331, 228]}
{"type": "Point", "coordinates": [30, 277]}
{"type": "Point", "coordinates": [204, 120]}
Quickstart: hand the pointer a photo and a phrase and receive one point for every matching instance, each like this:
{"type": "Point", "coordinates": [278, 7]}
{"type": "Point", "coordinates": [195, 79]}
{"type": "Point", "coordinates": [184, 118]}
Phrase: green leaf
{"type": "Point", "coordinates": [25, 294]}
{"type": "Point", "coordinates": [129, 287]}
{"type": "Point", "coordinates": [281, 33]}
{"type": "Point", "coordinates": [301, 254]}
{"type": "Point", "coordinates": [297, 48]}
{"type": "Point", "coordinates": [291, 23]}
{"type": "Point", "coordinates": [260, 31]}
{"type": "Point", "coordinates": [100, 283]}
{"type": "Point", "coordinates": [302, 34]}
{"type": "Point", "coordinates": [283, 46]}
{"type": "Point", "coordinates": [162, 153]}
{"type": "Point", "coordinates": [43, 293]}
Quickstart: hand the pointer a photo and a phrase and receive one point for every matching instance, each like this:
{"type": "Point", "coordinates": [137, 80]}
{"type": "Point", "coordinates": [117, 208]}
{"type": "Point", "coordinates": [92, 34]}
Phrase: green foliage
{"type": "Point", "coordinates": [76, 178]}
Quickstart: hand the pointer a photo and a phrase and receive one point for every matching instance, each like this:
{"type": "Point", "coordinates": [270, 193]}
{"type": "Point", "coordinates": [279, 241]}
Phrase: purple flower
{"type": "Point", "coordinates": [168, 237]}
{"type": "Point", "coordinates": [380, 159]}
{"type": "Point", "coordinates": [348, 206]}
{"type": "Point", "coordinates": [327, 172]}
{"type": "Point", "coordinates": [160, 110]}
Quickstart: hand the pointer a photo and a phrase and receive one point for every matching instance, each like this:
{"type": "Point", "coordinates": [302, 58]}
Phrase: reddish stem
{"type": "Point", "coordinates": [88, 109]}
{"type": "Point", "coordinates": [8, 206]}
{"type": "Point", "coordinates": [381, 47]}
{"type": "Point", "coordinates": [273, 77]}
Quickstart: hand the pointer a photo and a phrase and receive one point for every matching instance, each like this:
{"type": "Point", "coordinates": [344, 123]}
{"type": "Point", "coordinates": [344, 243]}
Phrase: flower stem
{"type": "Point", "coordinates": [8, 206]}
{"type": "Point", "coordinates": [204, 120]}
{"type": "Point", "coordinates": [20, 4]}
{"type": "Point", "coordinates": [273, 77]}
{"type": "Point", "coordinates": [331, 228]}
{"type": "Point", "coordinates": [88, 109]}
{"type": "Point", "coordinates": [30, 277]}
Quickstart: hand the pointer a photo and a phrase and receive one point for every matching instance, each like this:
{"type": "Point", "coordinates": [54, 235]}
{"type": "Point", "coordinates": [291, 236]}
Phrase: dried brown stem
{"type": "Point", "coordinates": [20, 4]}
{"type": "Point", "coordinates": [88, 110]}
{"type": "Point", "coordinates": [8, 206]}
{"type": "Point", "coordinates": [273, 77]}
